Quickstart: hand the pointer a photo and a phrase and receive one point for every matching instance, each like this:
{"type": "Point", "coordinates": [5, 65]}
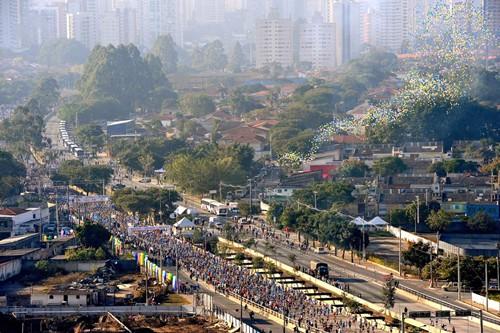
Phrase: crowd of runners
{"type": "Point", "coordinates": [227, 277]}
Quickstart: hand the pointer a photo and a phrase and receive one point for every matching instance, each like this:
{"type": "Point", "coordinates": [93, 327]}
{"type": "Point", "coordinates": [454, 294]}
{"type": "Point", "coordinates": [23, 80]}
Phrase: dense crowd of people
{"type": "Point", "coordinates": [224, 275]}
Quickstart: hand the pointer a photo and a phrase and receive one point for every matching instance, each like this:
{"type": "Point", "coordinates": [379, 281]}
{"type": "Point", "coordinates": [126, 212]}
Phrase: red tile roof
{"type": "Point", "coordinates": [12, 211]}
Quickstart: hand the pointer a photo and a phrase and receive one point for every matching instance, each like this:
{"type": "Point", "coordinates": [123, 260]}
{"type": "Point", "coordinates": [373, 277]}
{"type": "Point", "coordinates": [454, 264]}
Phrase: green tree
{"type": "Point", "coordinates": [417, 256]}
{"type": "Point", "coordinates": [398, 217]}
{"type": "Point", "coordinates": [196, 104]}
{"type": "Point", "coordinates": [438, 168]}
{"type": "Point", "coordinates": [352, 168]}
{"type": "Point", "coordinates": [11, 175]}
{"type": "Point", "coordinates": [119, 73]}
{"type": "Point", "coordinates": [214, 57]}
{"type": "Point", "coordinates": [389, 166]}
{"type": "Point", "coordinates": [165, 49]}
{"type": "Point", "coordinates": [91, 137]}
{"type": "Point", "coordinates": [92, 235]}
{"type": "Point", "coordinates": [438, 221]}
{"type": "Point", "coordinates": [237, 59]}
{"type": "Point", "coordinates": [46, 95]}
{"type": "Point", "coordinates": [481, 222]}
{"type": "Point", "coordinates": [90, 178]}
{"type": "Point", "coordinates": [327, 194]}
{"type": "Point", "coordinates": [61, 52]}
{"type": "Point", "coordinates": [23, 131]}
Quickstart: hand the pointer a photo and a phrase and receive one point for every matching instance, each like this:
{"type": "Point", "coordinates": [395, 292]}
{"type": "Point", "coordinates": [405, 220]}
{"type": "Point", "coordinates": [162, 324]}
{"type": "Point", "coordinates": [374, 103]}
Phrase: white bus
{"type": "Point", "coordinates": [214, 207]}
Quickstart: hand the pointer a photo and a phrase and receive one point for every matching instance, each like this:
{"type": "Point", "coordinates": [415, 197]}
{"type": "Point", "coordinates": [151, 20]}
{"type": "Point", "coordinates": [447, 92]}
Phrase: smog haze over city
{"type": "Point", "coordinates": [257, 166]}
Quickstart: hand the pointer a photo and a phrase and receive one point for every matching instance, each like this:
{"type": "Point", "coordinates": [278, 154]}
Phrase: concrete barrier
{"type": "Point", "coordinates": [328, 287]}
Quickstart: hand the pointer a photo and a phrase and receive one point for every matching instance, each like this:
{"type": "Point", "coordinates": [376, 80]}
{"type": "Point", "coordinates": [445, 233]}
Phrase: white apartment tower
{"type": "Point", "coordinates": [317, 43]}
{"type": "Point", "coordinates": [274, 41]}
{"type": "Point", "coordinates": [491, 9]}
{"type": "Point", "coordinates": [399, 22]}
{"type": "Point", "coordinates": [209, 11]}
{"type": "Point", "coordinates": [159, 17]}
{"type": "Point", "coordinates": [346, 17]}
{"type": "Point", "coordinates": [82, 26]}
{"type": "Point", "coordinates": [12, 17]}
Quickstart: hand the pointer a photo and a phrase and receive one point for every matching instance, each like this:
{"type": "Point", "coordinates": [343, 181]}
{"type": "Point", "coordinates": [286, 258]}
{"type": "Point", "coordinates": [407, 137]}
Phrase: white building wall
{"type": "Point", "coordinates": [9, 269]}
{"type": "Point", "coordinates": [317, 45]}
{"type": "Point", "coordinates": [274, 42]}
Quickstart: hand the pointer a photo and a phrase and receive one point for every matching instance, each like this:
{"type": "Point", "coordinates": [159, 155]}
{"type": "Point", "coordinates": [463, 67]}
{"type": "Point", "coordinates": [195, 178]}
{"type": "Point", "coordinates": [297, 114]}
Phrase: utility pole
{"type": "Point", "coordinates": [486, 281]}
{"type": "Point", "coordinates": [430, 266]}
{"type": "Point", "coordinates": [251, 205]}
{"type": "Point", "coordinates": [363, 241]}
{"type": "Point", "coordinates": [458, 274]}
{"type": "Point", "coordinates": [417, 219]}
{"type": "Point", "coordinates": [498, 265]}
{"type": "Point", "coordinates": [220, 191]}
{"type": "Point", "coordinates": [399, 252]}
{"type": "Point", "coordinates": [241, 313]}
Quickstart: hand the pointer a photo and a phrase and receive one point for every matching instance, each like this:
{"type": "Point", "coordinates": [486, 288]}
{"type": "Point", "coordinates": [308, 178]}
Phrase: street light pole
{"type": "Point", "coordinates": [458, 274]}
{"type": "Point", "coordinates": [486, 281]}
{"type": "Point", "coordinates": [417, 219]}
{"type": "Point", "coordinates": [498, 265]}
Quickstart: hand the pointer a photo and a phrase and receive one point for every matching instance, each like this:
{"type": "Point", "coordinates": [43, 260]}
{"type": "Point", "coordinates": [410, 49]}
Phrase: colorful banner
{"type": "Point", "coordinates": [153, 270]}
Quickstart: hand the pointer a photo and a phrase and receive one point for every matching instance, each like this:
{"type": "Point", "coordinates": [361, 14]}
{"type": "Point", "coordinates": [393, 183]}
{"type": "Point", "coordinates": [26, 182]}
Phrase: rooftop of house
{"type": "Point", "coordinates": [12, 211]}
{"type": "Point", "coordinates": [14, 239]}
{"type": "Point", "coordinates": [17, 252]}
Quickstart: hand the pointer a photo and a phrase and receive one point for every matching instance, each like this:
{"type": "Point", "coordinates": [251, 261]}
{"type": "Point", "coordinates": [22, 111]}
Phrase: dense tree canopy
{"type": "Point", "coordinates": [90, 178]}
{"type": "Point", "coordinates": [353, 168]}
{"type": "Point", "coordinates": [14, 91]}
{"type": "Point", "coordinates": [389, 166]}
{"type": "Point", "coordinates": [121, 74]}
{"type": "Point", "coordinates": [210, 57]}
{"type": "Point", "coordinates": [328, 194]}
{"type": "Point", "coordinates": [196, 104]}
{"type": "Point", "coordinates": [152, 200]}
{"type": "Point", "coordinates": [22, 131]}
{"type": "Point", "coordinates": [165, 49]}
{"type": "Point", "coordinates": [45, 95]}
{"type": "Point", "coordinates": [92, 235]}
{"type": "Point", "coordinates": [202, 169]}
{"type": "Point", "coordinates": [132, 154]}
{"type": "Point", "coordinates": [11, 175]}
{"type": "Point", "coordinates": [91, 137]}
{"type": "Point", "coordinates": [62, 52]}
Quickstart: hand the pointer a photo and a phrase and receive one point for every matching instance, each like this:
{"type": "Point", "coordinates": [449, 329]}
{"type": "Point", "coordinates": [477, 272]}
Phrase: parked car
{"type": "Point", "coordinates": [319, 250]}
{"type": "Point", "coordinates": [453, 286]}
{"type": "Point", "coordinates": [145, 180]}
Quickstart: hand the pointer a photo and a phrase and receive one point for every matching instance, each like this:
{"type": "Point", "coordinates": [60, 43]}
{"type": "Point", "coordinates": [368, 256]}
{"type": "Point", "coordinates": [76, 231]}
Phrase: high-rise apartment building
{"type": "Point", "coordinates": [491, 10]}
{"type": "Point", "coordinates": [13, 15]}
{"type": "Point", "coordinates": [392, 31]}
{"type": "Point", "coordinates": [274, 41]}
{"type": "Point", "coordinates": [317, 43]}
{"type": "Point", "coordinates": [159, 17]}
{"type": "Point", "coordinates": [45, 24]}
{"type": "Point", "coordinates": [346, 17]}
{"type": "Point", "coordinates": [209, 11]}
{"type": "Point", "coordinates": [82, 26]}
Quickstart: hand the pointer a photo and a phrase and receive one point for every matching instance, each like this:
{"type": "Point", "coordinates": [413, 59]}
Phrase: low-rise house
{"type": "Point", "coordinates": [70, 297]}
{"type": "Point", "coordinates": [253, 137]}
{"type": "Point", "coordinates": [17, 221]}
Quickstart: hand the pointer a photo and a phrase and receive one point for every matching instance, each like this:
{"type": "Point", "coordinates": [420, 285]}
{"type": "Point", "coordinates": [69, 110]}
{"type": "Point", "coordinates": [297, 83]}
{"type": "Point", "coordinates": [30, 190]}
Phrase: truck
{"type": "Point", "coordinates": [320, 269]}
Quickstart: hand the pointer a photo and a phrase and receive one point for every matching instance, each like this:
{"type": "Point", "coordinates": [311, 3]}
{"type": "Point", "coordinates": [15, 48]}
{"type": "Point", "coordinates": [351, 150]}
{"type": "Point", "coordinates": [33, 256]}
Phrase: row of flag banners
{"type": "Point", "coordinates": [153, 270]}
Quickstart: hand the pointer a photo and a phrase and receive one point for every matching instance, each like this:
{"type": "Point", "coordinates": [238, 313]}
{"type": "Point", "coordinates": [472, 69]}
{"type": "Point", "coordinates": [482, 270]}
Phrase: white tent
{"type": "Point", "coordinates": [184, 223]}
{"type": "Point", "coordinates": [358, 221]}
{"type": "Point", "coordinates": [377, 221]}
